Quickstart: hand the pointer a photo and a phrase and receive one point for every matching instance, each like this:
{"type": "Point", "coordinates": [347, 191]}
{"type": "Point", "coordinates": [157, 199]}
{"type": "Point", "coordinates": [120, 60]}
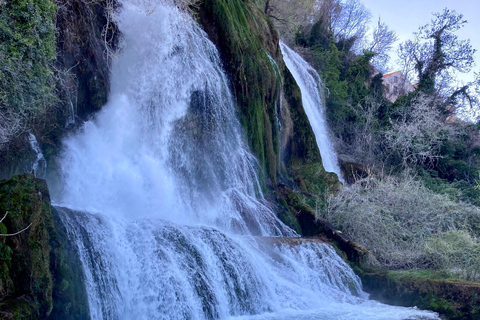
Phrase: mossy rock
{"type": "Point", "coordinates": [27, 202]}
{"type": "Point", "coordinates": [267, 96]}
{"type": "Point", "coordinates": [69, 292]}
{"type": "Point", "coordinates": [453, 298]}
{"type": "Point", "coordinates": [248, 45]}
{"type": "Point", "coordinates": [311, 226]}
{"type": "Point", "coordinates": [34, 268]}
{"type": "Point", "coordinates": [83, 49]}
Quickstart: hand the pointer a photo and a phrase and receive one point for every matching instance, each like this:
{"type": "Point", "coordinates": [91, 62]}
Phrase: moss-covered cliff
{"type": "Point", "coordinates": [37, 280]}
{"type": "Point", "coordinates": [425, 289]}
{"type": "Point", "coordinates": [54, 67]}
{"type": "Point", "coordinates": [269, 101]}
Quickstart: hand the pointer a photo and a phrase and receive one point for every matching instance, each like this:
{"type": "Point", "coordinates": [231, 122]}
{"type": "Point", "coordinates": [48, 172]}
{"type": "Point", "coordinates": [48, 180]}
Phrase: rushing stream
{"type": "Point", "coordinates": [165, 207]}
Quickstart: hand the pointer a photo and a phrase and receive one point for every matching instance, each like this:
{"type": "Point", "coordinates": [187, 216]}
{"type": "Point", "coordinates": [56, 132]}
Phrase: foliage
{"type": "Point", "coordinates": [28, 268]}
{"type": "Point", "coordinates": [265, 92]}
{"type": "Point", "coordinates": [438, 291]}
{"type": "Point", "coordinates": [457, 251]}
{"type": "Point", "coordinates": [405, 225]}
{"type": "Point", "coordinates": [350, 22]}
{"type": "Point", "coordinates": [347, 20]}
{"type": "Point", "coordinates": [27, 48]}
{"type": "Point", "coordinates": [414, 132]}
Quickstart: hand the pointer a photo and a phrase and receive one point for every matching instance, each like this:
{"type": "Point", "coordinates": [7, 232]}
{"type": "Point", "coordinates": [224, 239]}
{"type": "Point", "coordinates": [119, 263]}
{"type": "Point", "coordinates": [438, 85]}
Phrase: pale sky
{"type": "Point", "coordinates": [405, 16]}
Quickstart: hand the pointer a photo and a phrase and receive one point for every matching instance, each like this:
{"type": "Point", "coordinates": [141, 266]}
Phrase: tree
{"type": "Point", "coordinates": [381, 44]}
{"type": "Point", "coordinates": [289, 16]}
{"type": "Point", "coordinates": [404, 225]}
{"type": "Point", "coordinates": [346, 19]}
{"type": "Point", "coordinates": [351, 22]}
{"type": "Point", "coordinates": [436, 55]}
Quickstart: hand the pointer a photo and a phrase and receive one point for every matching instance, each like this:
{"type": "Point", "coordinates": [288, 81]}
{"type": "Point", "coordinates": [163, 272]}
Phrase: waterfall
{"type": "Point", "coordinates": [311, 87]}
{"type": "Point", "coordinates": [39, 165]}
{"type": "Point", "coordinates": [162, 201]}
{"type": "Point", "coordinates": [153, 269]}
{"type": "Point", "coordinates": [167, 144]}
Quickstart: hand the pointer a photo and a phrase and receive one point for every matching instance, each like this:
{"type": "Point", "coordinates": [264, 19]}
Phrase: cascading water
{"type": "Point", "coordinates": [39, 165]}
{"type": "Point", "coordinates": [311, 87]}
{"type": "Point", "coordinates": [168, 143]}
{"type": "Point", "coordinates": [175, 197]}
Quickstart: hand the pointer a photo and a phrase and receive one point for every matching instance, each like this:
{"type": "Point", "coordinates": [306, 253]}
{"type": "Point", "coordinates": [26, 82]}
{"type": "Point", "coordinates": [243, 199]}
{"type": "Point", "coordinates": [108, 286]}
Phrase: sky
{"type": "Point", "coordinates": [405, 16]}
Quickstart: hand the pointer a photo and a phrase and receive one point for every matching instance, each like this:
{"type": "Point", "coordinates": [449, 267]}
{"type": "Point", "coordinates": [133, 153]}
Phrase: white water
{"type": "Point", "coordinates": [39, 165]}
{"type": "Point", "coordinates": [175, 197]}
{"type": "Point", "coordinates": [168, 144]}
{"type": "Point", "coordinates": [311, 87]}
{"type": "Point", "coordinates": [151, 269]}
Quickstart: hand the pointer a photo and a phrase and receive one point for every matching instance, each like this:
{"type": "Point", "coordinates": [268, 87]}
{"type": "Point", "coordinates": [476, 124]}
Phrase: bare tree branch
{"type": "Point", "coordinates": [14, 234]}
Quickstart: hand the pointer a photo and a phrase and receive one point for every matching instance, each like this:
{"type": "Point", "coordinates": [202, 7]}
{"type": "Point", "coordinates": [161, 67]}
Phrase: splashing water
{"type": "Point", "coordinates": [311, 87]}
{"type": "Point", "coordinates": [168, 144]}
{"type": "Point", "coordinates": [176, 200]}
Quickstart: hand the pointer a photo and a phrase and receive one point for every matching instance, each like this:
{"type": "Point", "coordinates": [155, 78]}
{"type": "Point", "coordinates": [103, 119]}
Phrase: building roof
{"type": "Point", "coordinates": [389, 74]}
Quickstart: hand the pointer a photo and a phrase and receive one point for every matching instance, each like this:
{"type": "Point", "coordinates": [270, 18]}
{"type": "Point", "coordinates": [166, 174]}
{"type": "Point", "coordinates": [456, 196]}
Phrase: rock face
{"type": "Point", "coordinates": [269, 103]}
{"type": "Point", "coordinates": [86, 37]}
{"type": "Point", "coordinates": [34, 268]}
{"type": "Point", "coordinates": [268, 99]}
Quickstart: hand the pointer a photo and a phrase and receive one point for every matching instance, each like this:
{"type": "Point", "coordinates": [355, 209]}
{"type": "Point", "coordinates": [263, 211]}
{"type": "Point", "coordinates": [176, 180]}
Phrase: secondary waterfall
{"type": "Point", "coordinates": [311, 87]}
{"type": "Point", "coordinates": [39, 165]}
{"type": "Point", "coordinates": [164, 202]}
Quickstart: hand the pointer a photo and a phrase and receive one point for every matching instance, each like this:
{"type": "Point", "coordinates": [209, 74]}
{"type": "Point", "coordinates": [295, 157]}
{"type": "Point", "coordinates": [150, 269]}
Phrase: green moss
{"type": "Point", "coordinates": [23, 198]}
{"type": "Point", "coordinates": [246, 38]}
{"type": "Point", "coordinates": [69, 293]}
{"type": "Point", "coordinates": [34, 267]}
{"type": "Point", "coordinates": [421, 275]}
{"type": "Point", "coordinates": [426, 289]}
{"type": "Point", "coordinates": [444, 307]}
{"type": "Point", "coordinates": [19, 309]}
{"type": "Point", "coordinates": [302, 154]}
{"type": "Point", "coordinates": [286, 215]}
{"type": "Point", "coordinates": [27, 48]}
{"type": "Point", "coordinates": [248, 44]}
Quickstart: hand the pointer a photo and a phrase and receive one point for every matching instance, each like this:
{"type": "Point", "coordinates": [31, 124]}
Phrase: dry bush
{"type": "Point", "coordinates": [407, 226]}
{"type": "Point", "coordinates": [418, 135]}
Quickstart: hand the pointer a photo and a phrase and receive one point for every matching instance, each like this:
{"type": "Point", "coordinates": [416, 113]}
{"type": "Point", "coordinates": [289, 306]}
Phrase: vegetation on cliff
{"type": "Point", "coordinates": [54, 65]}
{"type": "Point", "coordinates": [429, 221]}
{"type": "Point", "coordinates": [422, 168]}
{"type": "Point", "coordinates": [413, 200]}
{"type": "Point", "coordinates": [268, 99]}
{"type": "Point", "coordinates": [27, 49]}
{"type": "Point", "coordinates": [36, 279]}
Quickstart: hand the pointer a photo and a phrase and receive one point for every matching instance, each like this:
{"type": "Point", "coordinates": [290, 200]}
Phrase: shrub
{"type": "Point", "coordinates": [407, 226]}
{"type": "Point", "coordinates": [417, 136]}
